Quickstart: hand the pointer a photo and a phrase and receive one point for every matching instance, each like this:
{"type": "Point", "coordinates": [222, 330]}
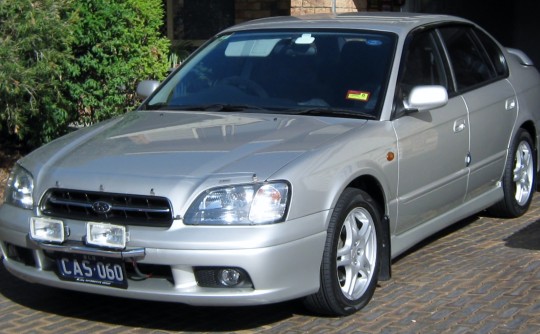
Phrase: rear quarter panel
{"type": "Point", "coordinates": [526, 83]}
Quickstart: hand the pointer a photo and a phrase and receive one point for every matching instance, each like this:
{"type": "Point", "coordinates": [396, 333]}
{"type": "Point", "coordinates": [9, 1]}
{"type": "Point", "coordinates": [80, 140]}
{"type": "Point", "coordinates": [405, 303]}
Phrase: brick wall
{"type": "Point", "coordinates": [180, 12]}
{"type": "Point", "coordinates": [299, 7]}
{"type": "Point", "coordinates": [253, 9]}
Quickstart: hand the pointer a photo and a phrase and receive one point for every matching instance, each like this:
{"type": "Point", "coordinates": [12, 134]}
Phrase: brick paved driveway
{"type": "Point", "coordinates": [480, 276]}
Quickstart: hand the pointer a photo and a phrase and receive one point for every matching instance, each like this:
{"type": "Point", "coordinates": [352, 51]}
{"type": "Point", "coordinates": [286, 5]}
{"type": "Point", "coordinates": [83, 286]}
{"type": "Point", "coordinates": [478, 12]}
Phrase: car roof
{"type": "Point", "coordinates": [396, 22]}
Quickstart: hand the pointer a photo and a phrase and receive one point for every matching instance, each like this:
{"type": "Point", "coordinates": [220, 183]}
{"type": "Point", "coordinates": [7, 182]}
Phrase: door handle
{"type": "Point", "coordinates": [459, 125]}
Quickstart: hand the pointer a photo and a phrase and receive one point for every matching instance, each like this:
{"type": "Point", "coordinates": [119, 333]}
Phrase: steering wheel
{"type": "Point", "coordinates": [245, 85]}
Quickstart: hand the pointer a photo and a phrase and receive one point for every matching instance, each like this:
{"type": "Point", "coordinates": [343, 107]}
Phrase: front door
{"type": "Point", "coordinates": [433, 145]}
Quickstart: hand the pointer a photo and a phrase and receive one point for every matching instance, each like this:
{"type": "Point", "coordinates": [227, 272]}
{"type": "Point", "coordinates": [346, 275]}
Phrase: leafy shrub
{"type": "Point", "coordinates": [117, 45]}
{"type": "Point", "coordinates": [34, 50]}
{"type": "Point", "coordinates": [73, 61]}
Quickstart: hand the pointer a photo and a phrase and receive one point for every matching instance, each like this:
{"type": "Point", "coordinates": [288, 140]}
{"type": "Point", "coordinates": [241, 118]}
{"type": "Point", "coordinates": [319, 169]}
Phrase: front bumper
{"type": "Point", "coordinates": [285, 265]}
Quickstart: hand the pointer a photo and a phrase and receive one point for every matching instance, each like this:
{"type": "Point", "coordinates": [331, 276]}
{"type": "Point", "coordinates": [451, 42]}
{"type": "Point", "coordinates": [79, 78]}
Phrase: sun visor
{"type": "Point", "coordinates": [251, 48]}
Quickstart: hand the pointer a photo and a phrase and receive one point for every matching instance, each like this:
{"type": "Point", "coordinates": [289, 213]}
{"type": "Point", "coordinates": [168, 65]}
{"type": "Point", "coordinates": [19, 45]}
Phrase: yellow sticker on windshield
{"type": "Point", "coordinates": [358, 95]}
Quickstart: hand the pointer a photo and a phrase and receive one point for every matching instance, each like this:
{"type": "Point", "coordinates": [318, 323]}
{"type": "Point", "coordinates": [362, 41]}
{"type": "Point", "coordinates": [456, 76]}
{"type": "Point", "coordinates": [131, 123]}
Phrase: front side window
{"type": "Point", "coordinates": [284, 72]}
{"type": "Point", "coordinates": [422, 64]}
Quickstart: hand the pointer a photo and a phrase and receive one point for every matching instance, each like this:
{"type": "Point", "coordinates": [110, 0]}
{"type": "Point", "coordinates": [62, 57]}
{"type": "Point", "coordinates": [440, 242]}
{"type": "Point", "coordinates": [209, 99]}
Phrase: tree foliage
{"type": "Point", "coordinates": [74, 62]}
{"type": "Point", "coordinates": [34, 51]}
{"type": "Point", "coordinates": [118, 45]}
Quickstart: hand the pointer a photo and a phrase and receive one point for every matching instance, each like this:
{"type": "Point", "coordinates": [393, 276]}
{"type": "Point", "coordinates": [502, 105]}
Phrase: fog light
{"type": "Point", "coordinates": [106, 235]}
{"type": "Point", "coordinates": [222, 277]}
{"type": "Point", "coordinates": [48, 230]}
{"type": "Point", "coordinates": [229, 277]}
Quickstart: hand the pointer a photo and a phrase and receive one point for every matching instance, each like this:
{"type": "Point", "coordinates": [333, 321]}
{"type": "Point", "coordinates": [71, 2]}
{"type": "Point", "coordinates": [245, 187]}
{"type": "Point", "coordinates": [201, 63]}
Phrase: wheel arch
{"type": "Point", "coordinates": [531, 129]}
{"type": "Point", "coordinates": [373, 188]}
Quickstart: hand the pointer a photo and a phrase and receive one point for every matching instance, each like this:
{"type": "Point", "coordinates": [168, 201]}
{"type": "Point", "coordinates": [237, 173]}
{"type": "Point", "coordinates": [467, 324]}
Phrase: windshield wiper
{"type": "Point", "coordinates": [208, 107]}
{"type": "Point", "coordinates": [157, 106]}
{"type": "Point", "coordinates": [331, 112]}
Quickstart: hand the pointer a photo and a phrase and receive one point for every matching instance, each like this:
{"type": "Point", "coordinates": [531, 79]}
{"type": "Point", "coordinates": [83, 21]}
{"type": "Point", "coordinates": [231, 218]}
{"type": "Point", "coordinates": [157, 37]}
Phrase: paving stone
{"type": "Point", "coordinates": [470, 278]}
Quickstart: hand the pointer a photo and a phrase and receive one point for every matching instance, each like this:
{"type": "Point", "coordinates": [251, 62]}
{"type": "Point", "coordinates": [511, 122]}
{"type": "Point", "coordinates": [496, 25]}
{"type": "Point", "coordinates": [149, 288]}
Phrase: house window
{"type": "Point", "coordinates": [197, 19]}
{"type": "Point", "coordinates": [204, 18]}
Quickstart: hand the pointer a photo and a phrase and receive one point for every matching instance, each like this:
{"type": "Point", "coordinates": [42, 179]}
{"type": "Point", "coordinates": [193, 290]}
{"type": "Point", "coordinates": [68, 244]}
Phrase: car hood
{"type": "Point", "coordinates": [156, 151]}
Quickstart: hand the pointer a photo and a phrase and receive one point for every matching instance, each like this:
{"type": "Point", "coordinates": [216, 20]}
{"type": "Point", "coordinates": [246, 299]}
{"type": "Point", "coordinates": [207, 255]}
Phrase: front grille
{"type": "Point", "coordinates": [107, 207]}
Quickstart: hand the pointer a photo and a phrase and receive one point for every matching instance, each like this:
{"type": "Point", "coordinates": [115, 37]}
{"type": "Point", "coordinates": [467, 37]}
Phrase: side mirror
{"type": "Point", "coordinates": [424, 98]}
{"type": "Point", "coordinates": [146, 88]}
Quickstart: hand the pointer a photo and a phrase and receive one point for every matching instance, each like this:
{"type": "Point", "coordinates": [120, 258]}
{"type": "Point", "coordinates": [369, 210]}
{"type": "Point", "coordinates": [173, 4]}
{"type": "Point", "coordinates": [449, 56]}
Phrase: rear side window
{"type": "Point", "coordinates": [494, 53]}
{"type": "Point", "coordinates": [472, 67]}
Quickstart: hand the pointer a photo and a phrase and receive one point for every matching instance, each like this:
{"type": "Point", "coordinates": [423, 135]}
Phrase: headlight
{"type": "Point", "coordinates": [20, 187]}
{"type": "Point", "coordinates": [261, 203]}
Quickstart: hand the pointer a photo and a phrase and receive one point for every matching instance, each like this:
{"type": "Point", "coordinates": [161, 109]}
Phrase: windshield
{"type": "Point", "coordinates": [294, 72]}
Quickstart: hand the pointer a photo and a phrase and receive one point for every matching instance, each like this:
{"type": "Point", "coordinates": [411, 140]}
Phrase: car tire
{"type": "Point", "coordinates": [519, 178]}
{"type": "Point", "coordinates": [351, 257]}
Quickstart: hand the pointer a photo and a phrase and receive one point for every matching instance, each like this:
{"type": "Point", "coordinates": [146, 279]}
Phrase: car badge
{"type": "Point", "coordinates": [101, 207]}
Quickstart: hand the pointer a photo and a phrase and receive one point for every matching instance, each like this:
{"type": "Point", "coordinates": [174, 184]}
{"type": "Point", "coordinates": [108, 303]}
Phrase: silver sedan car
{"type": "Point", "coordinates": [287, 158]}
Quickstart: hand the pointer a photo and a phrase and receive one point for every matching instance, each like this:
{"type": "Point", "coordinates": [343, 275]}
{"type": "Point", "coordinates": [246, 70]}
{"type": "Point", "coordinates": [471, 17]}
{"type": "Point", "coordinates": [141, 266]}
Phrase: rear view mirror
{"type": "Point", "coordinates": [424, 98]}
{"type": "Point", "coordinates": [146, 88]}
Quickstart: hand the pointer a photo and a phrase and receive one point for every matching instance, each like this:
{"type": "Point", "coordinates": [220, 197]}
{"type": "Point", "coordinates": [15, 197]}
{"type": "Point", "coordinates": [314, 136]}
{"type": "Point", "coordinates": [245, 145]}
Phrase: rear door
{"type": "Point", "coordinates": [480, 74]}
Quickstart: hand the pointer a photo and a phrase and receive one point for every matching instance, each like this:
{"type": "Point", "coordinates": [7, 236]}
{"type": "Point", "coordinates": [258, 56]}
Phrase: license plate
{"type": "Point", "coordinates": [92, 270]}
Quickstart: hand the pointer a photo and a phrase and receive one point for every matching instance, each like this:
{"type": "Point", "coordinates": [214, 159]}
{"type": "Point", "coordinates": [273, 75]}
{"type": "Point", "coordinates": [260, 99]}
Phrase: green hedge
{"type": "Point", "coordinates": [68, 62]}
{"type": "Point", "coordinates": [34, 52]}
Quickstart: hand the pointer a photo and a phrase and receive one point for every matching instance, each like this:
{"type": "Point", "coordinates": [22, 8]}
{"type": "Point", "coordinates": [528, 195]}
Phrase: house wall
{"type": "Point", "coordinates": [301, 7]}
{"type": "Point", "coordinates": [200, 19]}
{"type": "Point", "coordinates": [252, 9]}
{"type": "Point", "coordinates": [246, 10]}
